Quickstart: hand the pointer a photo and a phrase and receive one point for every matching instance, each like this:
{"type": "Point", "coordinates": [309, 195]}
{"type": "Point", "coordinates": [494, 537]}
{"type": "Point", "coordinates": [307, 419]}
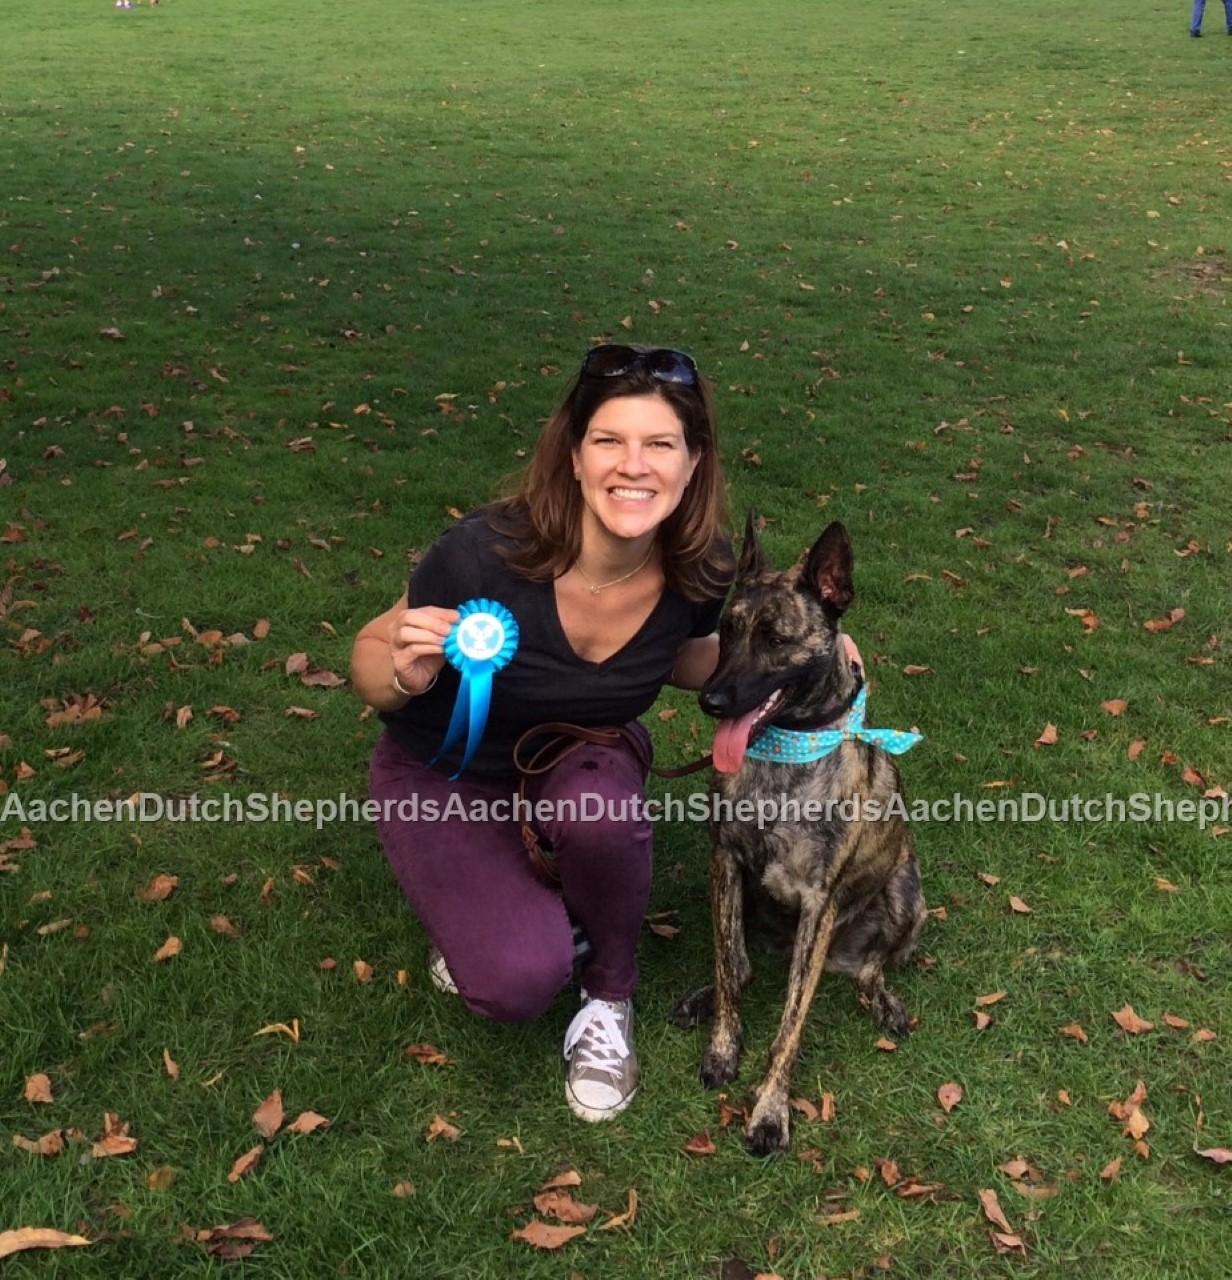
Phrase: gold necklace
{"type": "Point", "coordinates": [596, 587]}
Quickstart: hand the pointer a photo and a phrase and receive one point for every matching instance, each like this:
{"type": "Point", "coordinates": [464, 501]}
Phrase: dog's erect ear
{"type": "Point", "coordinates": [753, 559]}
{"type": "Point", "coordinates": [828, 569]}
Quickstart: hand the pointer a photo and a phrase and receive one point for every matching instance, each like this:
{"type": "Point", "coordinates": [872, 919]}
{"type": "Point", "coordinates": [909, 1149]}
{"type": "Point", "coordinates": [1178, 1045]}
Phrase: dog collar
{"type": "Point", "coordinates": [801, 746]}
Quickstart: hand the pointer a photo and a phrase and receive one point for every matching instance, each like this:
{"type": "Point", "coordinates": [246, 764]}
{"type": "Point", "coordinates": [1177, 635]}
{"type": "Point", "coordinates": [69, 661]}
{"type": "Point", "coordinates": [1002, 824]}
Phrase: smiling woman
{"type": "Point", "coordinates": [613, 561]}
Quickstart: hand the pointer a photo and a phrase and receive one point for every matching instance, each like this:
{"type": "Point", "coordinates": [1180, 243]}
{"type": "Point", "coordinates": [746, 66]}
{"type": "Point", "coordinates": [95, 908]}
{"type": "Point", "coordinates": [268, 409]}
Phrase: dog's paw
{"type": "Point", "coordinates": [891, 1015]}
{"type": "Point", "coordinates": [718, 1069]}
{"type": "Point", "coordinates": [768, 1136]}
{"type": "Point", "coordinates": [695, 1008]}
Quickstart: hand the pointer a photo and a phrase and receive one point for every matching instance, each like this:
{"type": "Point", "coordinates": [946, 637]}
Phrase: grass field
{"type": "Point", "coordinates": [284, 285]}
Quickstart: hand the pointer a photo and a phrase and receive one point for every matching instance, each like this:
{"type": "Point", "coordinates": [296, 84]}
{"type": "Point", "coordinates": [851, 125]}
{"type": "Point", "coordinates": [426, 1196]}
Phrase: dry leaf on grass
{"type": "Point", "coordinates": [1130, 1023]}
{"type": "Point", "coordinates": [50, 1144]}
{"type": "Point", "coordinates": [269, 1115]}
{"type": "Point", "coordinates": [38, 1088]}
{"type": "Point", "coordinates": [543, 1236]}
{"type": "Point", "coordinates": [308, 1122]}
{"type": "Point", "coordinates": [37, 1238]}
{"type": "Point", "coordinates": [172, 947]}
{"type": "Point", "coordinates": [116, 1140]}
{"type": "Point", "coordinates": [428, 1054]}
{"type": "Point", "coordinates": [838, 1217]}
{"type": "Point", "coordinates": [949, 1095]}
{"type": "Point", "coordinates": [1074, 1031]}
{"type": "Point", "coordinates": [559, 1204]}
{"type": "Point", "coordinates": [246, 1163]}
{"type": "Point", "coordinates": [1220, 1155]}
{"type": "Point", "coordinates": [1004, 1239]}
{"type": "Point", "coordinates": [281, 1029]}
{"type": "Point", "coordinates": [625, 1219]}
{"type": "Point", "coordinates": [159, 889]}
{"type": "Point", "coordinates": [441, 1128]}
{"type": "Point", "coordinates": [701, 1144]}
{"type": "Point", "coordinates": [233, 1240]}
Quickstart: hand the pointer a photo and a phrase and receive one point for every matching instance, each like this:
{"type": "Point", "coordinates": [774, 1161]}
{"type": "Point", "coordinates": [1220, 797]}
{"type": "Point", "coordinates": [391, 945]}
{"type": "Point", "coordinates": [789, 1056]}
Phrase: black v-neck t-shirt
{"type": "Point", "coordinates": [546, 680]}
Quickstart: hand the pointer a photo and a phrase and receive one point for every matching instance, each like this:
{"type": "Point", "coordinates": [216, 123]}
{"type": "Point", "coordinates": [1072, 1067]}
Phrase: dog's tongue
{"type": "Point", "coordinates": [731, 740]}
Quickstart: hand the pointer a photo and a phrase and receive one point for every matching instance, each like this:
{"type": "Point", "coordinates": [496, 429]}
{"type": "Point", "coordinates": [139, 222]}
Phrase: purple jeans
{"type": "Point", "coordinates": [507, 935]}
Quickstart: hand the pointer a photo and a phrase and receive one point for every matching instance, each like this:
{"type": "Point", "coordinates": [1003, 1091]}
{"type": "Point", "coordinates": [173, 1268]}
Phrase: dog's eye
{"type": "Point", "coordinates": [776, 641]}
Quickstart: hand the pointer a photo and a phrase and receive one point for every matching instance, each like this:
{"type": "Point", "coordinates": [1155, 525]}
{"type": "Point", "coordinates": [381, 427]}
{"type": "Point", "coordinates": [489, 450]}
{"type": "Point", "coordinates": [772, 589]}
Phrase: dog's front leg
{"type": "Point", "coordinates": [721, 1060]}
{"type": "Point", "coordinates": [768, 1131]}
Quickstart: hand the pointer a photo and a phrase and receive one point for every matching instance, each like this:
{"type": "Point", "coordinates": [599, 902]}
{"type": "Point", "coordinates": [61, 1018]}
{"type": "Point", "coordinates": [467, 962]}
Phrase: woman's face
{"type": "Point", "coordinates": [633, 467]}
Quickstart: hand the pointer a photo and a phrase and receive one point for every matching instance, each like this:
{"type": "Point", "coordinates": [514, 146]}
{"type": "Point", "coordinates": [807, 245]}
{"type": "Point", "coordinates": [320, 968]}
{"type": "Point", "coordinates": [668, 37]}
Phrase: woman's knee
{"type": "Point", "coordinates": [516, 987]}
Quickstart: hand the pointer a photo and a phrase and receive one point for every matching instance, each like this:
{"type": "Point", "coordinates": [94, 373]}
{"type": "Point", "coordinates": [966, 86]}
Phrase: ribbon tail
{"type": "Point", "coordinates": [479, 686]}
{"type": "Point", "coordinates": [457, 723]}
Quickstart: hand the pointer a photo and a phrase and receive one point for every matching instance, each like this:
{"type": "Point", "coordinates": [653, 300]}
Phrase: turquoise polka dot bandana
{"type": "Point", "coordinates": [801, 746]}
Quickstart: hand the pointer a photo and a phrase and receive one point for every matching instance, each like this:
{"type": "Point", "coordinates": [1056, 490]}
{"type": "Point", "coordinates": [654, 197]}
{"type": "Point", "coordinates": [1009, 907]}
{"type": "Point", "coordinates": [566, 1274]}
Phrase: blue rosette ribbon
{"type": "Point", "coordinates": [482, 642]}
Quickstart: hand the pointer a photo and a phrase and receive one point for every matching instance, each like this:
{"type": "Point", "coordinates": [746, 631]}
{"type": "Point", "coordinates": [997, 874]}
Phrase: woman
{"type": "Point", "coordinates": [613, 560]}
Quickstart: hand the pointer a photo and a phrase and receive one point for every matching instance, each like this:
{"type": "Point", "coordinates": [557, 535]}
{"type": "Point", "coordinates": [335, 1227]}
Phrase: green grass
{"type": "Point", "coordinates": [951, 269]}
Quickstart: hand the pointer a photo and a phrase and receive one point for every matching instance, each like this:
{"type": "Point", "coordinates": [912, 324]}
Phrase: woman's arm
{"type": "Point", "coordinates": [695, 661]}
{"type": "Point", "coordinates": [403, 644]}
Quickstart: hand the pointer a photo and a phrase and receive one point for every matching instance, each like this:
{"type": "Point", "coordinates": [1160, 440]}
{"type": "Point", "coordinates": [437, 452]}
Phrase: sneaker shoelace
{"type": "Point", "coordinates": [596, 1039]}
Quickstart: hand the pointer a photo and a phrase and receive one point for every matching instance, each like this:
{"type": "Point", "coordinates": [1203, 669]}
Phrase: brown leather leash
{"type": "Point", "coordinates": [562, 740]}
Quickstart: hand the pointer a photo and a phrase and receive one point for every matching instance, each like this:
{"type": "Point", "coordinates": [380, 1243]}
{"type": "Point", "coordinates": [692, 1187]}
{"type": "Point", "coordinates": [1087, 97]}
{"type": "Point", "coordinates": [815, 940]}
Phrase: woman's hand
{"type": "Point", "coordinates": [402, 644]}
{"type": "Point", "coordinates": [417, 645]}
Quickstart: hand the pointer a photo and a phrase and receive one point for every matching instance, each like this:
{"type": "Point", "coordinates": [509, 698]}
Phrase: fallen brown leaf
{"type": "Point", "coordinates": [38, 1088]}
{"type": "Point", "coordinates": [308, 1122]}
{"type": "Point", "coordinates": [949, 1095]}
{"type": "Point", "coordinates": [246, 1163]}
{"type": "Point", "coordinates": [1130, 1023]}
{"type": "Point", "coordinates": [37, 1238]}
{"type": "Point", "coordinates": [1049, 736]}
{"type": "Point", "coordinates": [50, 1144]}
{"type": "Point", "coordinates": [1074, 1031]}
{"type": "Point", "coordinates": [428, 1054]}
{"type": "Point", "coordinates": [116, 1140]}
{"type": "Point", "coordinates": [269, 1115]}
{"type": "Point", "coordinates": [625, 1219]}
{"type": "Point", "coordinates": [561, 1205]}
{"type": "Point", "coordinates": [441, 1128]}
{"type": "Point", "coordinates": [1220, 1155]}
{"type": "Point", "coordinates": [172, 947]}
{"type": "Point", "coordinates": [701, 1144]}
{"type": "Point", "coordinates": [158, 889]}
{"type": "Point", "coordinates": [544, 1236]}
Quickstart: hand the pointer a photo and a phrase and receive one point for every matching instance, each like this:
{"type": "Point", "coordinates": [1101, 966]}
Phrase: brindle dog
{"type": "Point", "coordinates": [847, 891]}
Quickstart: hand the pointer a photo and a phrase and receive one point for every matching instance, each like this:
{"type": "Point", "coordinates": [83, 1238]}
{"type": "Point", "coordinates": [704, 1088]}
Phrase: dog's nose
{"type": "Point", "coordinates": [715, 702]}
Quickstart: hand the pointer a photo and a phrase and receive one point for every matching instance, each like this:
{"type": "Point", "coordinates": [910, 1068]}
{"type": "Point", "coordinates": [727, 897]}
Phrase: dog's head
{"type": "Point", "coordinates": [781, 654]}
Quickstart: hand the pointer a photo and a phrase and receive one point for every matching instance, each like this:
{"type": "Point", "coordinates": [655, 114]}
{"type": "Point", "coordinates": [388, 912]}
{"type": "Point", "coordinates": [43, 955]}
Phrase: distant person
{"type": "Point", "coordinates": [1195, 23]}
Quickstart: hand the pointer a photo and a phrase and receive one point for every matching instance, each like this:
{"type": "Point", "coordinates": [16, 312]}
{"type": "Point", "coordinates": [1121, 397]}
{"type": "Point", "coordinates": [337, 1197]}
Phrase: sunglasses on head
{"type": "Point", "coordinates": [660, 362]}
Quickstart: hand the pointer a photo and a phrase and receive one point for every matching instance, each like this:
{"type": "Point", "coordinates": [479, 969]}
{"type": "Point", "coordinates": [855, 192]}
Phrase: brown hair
{"type": "Point", "coordinates": [544, 516]}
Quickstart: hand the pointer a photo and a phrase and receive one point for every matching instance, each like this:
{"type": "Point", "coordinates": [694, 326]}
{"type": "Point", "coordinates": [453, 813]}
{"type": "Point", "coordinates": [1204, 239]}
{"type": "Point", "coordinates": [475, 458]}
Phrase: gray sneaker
{"type": "Point", "coordinates": [438, 971]}
{"type": "Point", "coordinates": [603, 1069]}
